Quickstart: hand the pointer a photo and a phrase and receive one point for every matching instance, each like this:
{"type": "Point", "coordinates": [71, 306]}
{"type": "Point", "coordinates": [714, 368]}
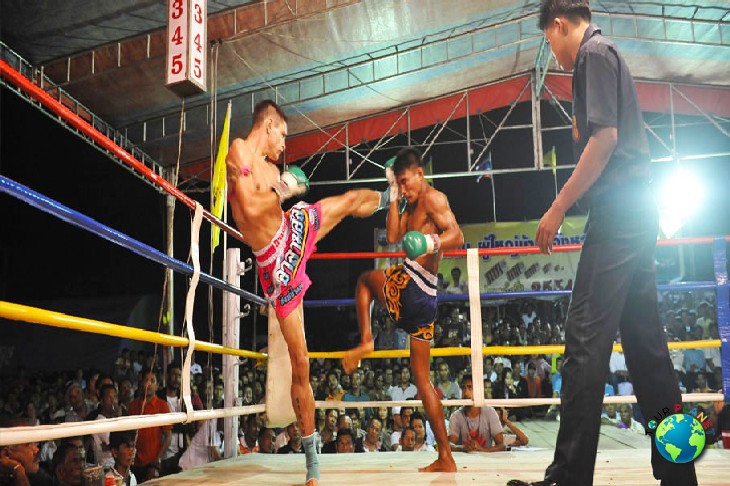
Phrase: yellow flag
{"type": "Point", "coordinates": [549, 159]}
{"type": "Point", "coordinates": [218, 184]}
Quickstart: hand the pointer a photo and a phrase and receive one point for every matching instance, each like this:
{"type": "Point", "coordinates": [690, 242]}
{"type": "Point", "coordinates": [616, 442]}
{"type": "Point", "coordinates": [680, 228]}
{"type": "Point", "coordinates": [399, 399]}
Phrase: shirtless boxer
{"type": "Point", "coordinates": [283, 242]}
{"type": "Point", "coordinates": [408, 290]}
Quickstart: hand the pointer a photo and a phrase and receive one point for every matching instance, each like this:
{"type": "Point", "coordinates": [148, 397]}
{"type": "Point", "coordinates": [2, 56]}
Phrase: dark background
{"type": "Point", "coordinates": [44, 261]}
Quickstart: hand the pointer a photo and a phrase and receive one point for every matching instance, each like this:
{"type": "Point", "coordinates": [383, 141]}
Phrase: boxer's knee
{"type": "Point", "coordinates": [363, 282]}
{"type": "Point", "coordinates": [373, 282]}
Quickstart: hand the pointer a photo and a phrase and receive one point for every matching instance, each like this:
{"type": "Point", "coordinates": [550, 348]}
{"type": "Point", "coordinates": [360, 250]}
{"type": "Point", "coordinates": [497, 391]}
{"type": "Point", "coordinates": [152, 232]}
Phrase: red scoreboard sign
{"type": "Point", "coordinates": [187, 28]}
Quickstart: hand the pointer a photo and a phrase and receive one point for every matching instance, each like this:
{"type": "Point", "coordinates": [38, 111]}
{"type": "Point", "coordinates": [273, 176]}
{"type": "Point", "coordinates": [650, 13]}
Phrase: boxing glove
{"type": "Point", "coordinates": [293, 182]}
{"type": "Point", "coordinates": [392, 182]}
{"type": "Point", "coordinates": [416, 244]}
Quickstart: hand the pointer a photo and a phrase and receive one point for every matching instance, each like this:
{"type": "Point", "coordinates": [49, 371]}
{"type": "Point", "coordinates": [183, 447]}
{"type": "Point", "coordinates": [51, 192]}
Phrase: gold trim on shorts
{"type": "Point", "coordinates": [424, 333]}
{"type": "Point", "coordinates": [396, 280]}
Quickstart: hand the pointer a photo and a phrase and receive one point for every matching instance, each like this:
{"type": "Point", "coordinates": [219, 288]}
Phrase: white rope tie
{"type": "Point", "coordinates": [189, 305]}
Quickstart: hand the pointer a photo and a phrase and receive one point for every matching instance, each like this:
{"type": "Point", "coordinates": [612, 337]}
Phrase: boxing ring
{"type": "Point", "coordinates": [614, 466]}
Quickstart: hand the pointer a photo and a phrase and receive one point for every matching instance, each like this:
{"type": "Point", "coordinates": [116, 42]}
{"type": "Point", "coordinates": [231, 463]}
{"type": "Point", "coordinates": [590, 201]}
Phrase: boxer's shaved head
{"type": "Point", "coordinates": [267, 109]}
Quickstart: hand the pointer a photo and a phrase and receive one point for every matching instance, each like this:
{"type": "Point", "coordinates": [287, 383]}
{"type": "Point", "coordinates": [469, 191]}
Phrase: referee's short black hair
{"type": "Point", "coordinates": [574, 10]}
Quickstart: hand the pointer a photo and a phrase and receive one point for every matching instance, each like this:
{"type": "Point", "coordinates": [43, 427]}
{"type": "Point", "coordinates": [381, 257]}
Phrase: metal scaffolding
{"type": "Point", "coordinates": [664, 129]}
{"type": "Point", "coordinates": [475, 38]}
{"type": "Point", "coordinates": [37, 76]}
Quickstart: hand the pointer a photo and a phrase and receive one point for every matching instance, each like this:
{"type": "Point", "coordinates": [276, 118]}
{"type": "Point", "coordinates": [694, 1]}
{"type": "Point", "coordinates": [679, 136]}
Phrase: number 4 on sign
{"type": "Point", "coordinates": [177, 36]}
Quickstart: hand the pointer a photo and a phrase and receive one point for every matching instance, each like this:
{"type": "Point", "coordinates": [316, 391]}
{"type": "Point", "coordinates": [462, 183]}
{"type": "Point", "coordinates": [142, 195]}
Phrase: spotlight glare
{"type": "Point", "coordinates": [679, 200]}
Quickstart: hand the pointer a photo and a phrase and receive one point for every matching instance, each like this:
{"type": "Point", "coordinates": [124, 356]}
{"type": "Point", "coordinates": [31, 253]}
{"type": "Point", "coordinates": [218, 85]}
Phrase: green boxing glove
{"type": "Point", "coordinates": [416, 244]}
{"type": "Point", "coordinates": [293, 182]}
{"type": "Point", "coordinates": [392, 183]}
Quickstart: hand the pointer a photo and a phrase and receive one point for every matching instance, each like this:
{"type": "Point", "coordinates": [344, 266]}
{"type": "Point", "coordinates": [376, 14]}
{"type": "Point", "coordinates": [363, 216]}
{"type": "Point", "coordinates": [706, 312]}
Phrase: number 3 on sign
{"type": "Point", "coordinates": [177, 9]}
{"type": "Point", "coordinates": [198, 14]}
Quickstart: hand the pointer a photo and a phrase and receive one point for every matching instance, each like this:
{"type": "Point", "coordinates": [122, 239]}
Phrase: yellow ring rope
{"type": "Point", "coordinates": [506, 350]}
{"type": "Point", "coordinates": [34, 315]}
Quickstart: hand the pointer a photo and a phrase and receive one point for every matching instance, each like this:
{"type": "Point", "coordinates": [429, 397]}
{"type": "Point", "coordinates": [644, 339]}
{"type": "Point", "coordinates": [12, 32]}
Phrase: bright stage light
{"type": "Point", "coordinates": [680, 197]}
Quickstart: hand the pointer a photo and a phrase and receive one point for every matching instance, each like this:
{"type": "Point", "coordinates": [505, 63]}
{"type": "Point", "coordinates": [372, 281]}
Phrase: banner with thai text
{"type": "Point", "coordinates": [504, 273]}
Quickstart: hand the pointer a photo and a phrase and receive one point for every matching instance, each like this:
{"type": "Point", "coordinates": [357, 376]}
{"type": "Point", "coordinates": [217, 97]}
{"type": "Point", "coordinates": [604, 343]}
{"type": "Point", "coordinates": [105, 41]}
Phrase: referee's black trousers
{"type": "Point", "coordinates": [615, 290]}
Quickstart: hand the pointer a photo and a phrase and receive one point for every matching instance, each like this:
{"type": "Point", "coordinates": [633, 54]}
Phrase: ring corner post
{"type": "Point", "coordinates": [719, 256]}
{"type": "Point", "coordinates": [231, 339]}
{"type": "Point", "coordinates": [475, 316]}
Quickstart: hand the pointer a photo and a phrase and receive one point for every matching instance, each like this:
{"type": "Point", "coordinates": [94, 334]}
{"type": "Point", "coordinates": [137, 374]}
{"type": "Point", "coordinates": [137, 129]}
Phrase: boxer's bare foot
{"type": "Point", "coordinates": [440, 465]}
{"type": "Point", "coordinates": [352, 357]}
{"type": "Point", "coordinates": [312, 482]}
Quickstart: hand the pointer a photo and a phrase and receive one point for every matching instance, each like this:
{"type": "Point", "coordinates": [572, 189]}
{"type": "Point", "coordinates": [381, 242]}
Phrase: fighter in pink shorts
{"type": "Point", "coordinates": [257, 189]}
{"type": "Point", "coordinates": [282, 263]}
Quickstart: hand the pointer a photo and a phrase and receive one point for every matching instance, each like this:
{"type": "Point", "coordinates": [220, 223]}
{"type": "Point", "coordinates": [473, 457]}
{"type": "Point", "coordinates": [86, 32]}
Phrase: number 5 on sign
{"type": "Point", "coordinates": [186, 46]}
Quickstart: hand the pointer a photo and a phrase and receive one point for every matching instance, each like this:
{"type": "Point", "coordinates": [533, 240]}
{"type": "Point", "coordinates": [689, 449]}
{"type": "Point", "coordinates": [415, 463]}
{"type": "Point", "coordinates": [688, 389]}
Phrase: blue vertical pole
{"type": "Point", "coordinates": [723, 310]}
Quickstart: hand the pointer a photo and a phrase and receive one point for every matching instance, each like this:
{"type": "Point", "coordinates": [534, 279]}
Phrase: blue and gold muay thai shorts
{"type": "Point", "coordinates": [410, 297]}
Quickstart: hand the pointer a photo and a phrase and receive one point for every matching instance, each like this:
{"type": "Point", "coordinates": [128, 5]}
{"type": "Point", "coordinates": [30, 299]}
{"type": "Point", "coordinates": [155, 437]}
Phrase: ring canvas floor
{"type": "Point", "coordinates": [623, 459]}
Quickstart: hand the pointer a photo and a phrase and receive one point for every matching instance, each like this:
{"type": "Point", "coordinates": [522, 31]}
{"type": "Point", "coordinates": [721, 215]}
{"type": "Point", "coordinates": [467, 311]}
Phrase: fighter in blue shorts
{"type": "Point", "coordinates": [410, 297]}
{"type": "Point", "coordinates": [408, 290]}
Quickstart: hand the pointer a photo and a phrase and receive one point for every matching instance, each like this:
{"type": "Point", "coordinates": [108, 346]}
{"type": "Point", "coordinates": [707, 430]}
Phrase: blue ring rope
{"type": "Point", "coordinates": [721, 285]}
{"type": "Point", "coordinates": [512, 295]}
{"type": "Point", "coordinates": [39, 201]}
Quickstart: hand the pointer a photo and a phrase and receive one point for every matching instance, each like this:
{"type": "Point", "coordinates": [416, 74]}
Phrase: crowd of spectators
{"type": "Point", "coordinates": [137, 385]}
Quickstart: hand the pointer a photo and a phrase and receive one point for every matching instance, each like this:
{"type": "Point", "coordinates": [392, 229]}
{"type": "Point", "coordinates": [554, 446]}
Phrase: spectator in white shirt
{"type": "Point", "coordinates": [529, 315]}
{"type": "Point", "coordinates": [403, 391]}
{"type": "Point", "coordinates": [617, 367]}
{"type": "Point", "coordinates": [204, 446]}
{"type": "Point", "coordinates": [108, 408]}
{"type": "Point", "coordinates": [627, 420]}
{"type": "Point", "coordinates": [457, 285]}
{"type": "Point", "coordinates": [610, 416]}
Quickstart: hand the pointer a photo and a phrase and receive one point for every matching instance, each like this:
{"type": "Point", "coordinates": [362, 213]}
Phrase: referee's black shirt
{"type": "Point", "coordinates": [604, 95]}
